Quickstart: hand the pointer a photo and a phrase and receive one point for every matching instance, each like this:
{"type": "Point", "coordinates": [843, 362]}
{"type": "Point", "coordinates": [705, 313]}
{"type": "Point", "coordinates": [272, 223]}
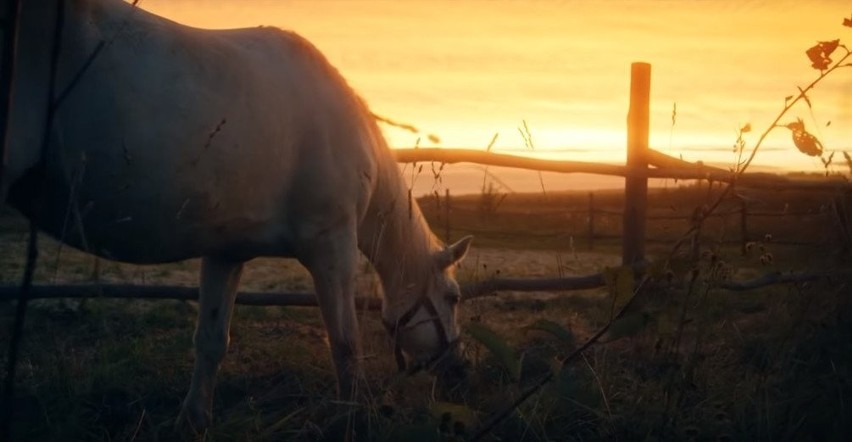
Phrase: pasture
{"type": "Point", "coordinates": [694, 362]}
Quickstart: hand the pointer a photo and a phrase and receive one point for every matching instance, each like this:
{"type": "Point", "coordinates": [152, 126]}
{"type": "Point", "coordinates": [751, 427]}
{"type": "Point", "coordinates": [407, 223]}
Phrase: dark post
{"type": "Point", "coordinates": [636, 185]}
{"type": "Point", "coordinates": [591, 220]}
{"type": "Point", "coordinates": [9, 23]}
{"type": "Point", "coordinates": [9, 19]}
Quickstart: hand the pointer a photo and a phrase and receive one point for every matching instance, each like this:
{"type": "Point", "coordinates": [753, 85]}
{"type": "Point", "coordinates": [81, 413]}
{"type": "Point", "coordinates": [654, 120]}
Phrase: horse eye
{"type": "Point", "coordinates": [453, 298]}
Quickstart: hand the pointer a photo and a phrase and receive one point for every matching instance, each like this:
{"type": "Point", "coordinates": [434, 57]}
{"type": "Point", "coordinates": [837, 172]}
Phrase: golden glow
{"type": "Point", "coordinates": [467, 69]}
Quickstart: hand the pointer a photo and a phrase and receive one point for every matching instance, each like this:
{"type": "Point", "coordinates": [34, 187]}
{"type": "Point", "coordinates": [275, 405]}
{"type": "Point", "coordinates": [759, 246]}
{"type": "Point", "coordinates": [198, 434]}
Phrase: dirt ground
{"type": "Point", "coordinates": [711, 365]}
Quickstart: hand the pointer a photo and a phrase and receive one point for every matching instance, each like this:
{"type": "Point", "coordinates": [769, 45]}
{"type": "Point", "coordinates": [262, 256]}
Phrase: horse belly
{"type": "Point", "coordinates": [123, 217]}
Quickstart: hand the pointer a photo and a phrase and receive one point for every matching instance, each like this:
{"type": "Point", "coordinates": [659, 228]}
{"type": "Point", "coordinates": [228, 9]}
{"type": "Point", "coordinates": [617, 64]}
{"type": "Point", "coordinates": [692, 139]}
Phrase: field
{"type": "Point", "coordinates": [689, 362]}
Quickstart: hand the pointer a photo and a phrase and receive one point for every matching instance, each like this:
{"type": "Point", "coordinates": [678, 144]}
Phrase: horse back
{"type": "Point", "coordinates": [182, 142]}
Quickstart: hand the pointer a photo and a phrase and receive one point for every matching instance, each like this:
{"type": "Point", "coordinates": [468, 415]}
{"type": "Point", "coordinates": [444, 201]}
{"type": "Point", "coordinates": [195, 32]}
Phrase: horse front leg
{"type": "Point", "coordinates": [332, 262]}
{"type": "Point", "coordinates": [219, 281]}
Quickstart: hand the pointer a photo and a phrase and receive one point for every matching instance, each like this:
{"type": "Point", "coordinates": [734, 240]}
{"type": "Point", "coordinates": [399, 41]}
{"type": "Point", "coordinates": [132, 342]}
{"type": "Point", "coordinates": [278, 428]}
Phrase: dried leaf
{"type": "Point", "coordinates": [804, 141]}
{"type": "Point", "coordinates": [847, 22]}
{"type": "Point", "coordinates": [746, 128]}
{"type": "Point", "coordinates": [829, 46]}
{"type": "Point", "coordinates": [819, 60]}
{"type": "Point", "coordinates": [808, 144]}
{"type": "Point", "coordinates": [796, 125]}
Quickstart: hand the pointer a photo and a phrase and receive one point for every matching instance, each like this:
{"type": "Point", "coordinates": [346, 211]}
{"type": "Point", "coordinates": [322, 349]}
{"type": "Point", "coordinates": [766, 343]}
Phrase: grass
{"type": "Point", "coordinates": [769, 364]}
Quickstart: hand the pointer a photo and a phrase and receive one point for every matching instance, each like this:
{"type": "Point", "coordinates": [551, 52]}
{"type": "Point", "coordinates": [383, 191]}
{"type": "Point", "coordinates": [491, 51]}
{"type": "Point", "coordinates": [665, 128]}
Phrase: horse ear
{"type": "Point", "coordinates": [453, 253]}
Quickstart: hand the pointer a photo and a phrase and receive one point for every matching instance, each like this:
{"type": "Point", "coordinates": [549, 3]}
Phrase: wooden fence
{"type": "Point", "coordinates": [642, 163]}
{"type": "Point", "coordinates": [593, 223]}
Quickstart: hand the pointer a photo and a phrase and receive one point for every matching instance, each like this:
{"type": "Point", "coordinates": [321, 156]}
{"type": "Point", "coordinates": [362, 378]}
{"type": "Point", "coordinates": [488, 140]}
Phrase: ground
{"type": "Point", "coordinates": [703, 363]}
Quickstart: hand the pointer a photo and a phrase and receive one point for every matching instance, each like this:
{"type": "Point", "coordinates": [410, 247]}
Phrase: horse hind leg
{"type": "Point", "coordinates": [219, 281]}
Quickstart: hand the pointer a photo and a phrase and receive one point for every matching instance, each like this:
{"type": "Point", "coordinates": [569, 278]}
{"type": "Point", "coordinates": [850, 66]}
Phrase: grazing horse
{"type": "Point", "coordinates": [173, 142]}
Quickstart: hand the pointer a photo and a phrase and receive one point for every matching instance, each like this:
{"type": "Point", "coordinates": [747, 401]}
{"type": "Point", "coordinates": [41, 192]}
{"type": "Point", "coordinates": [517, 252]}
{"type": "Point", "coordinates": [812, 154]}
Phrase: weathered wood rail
{"type": "Point", "coordinates": [665, 166]}
{"type": "Point", "coordinates": [479, 289]}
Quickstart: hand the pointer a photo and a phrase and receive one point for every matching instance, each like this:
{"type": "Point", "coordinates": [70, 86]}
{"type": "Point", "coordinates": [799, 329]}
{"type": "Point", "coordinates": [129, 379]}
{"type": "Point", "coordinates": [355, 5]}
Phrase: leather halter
{"type": "Point", "coordinates": [394, 327]}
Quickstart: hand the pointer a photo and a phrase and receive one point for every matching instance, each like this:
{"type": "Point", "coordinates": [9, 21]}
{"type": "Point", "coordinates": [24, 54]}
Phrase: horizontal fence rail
{"type": "Point", "coordinates": [666, 167]}
{"type": "Point", "coordinates": [470, 291]}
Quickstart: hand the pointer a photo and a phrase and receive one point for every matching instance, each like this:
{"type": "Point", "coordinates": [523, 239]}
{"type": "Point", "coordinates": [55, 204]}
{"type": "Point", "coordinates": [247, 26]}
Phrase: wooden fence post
{"type": "Point", "coordinates": [9, 16]}
{"type": "Point", "coordinates": [636, 187]}
{"type": "Point", "coordinates": [447, 216]}
{"type": "Point", "coordinates": [591, 220]}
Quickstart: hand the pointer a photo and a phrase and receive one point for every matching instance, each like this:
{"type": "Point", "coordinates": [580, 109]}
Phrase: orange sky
{"type": "Point", "coordinates": [468, 69]}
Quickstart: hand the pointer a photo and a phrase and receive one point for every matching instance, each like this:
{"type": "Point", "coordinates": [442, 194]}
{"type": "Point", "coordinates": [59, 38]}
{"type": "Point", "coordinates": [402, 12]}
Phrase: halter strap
{"type": "Point", "coordinates": [393, 328]}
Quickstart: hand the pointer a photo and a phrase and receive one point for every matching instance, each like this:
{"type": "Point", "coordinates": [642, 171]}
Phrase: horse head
{"type": "Point", "coordinates": [426, 330]}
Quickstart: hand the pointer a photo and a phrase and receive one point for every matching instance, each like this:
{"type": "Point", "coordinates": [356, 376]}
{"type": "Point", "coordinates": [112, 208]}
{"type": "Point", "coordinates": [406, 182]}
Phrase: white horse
{"type": "Point", "coordinates": [178, 142]}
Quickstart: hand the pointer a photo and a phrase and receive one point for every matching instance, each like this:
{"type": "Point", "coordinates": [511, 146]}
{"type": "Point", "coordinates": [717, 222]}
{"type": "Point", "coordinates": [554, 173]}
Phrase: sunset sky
{"type": "Point", "coordinates": [465, 70]}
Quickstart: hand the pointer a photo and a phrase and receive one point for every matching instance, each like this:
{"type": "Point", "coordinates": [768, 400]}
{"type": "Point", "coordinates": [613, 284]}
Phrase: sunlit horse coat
{"type": "Point", "coordinates": [179, 142]}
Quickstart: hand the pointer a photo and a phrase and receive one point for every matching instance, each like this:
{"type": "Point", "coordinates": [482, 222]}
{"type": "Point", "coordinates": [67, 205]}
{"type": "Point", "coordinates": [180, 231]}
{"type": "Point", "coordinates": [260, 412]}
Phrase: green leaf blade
{"type": "Point", "coordinates": [554, 329]}
{"type": "Point", "coordinates": [506, 355]}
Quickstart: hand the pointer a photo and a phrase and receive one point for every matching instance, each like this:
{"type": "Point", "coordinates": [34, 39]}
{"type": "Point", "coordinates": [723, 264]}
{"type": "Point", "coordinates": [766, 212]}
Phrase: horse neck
{"type": "Point", "coordinates": [394, 235]}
